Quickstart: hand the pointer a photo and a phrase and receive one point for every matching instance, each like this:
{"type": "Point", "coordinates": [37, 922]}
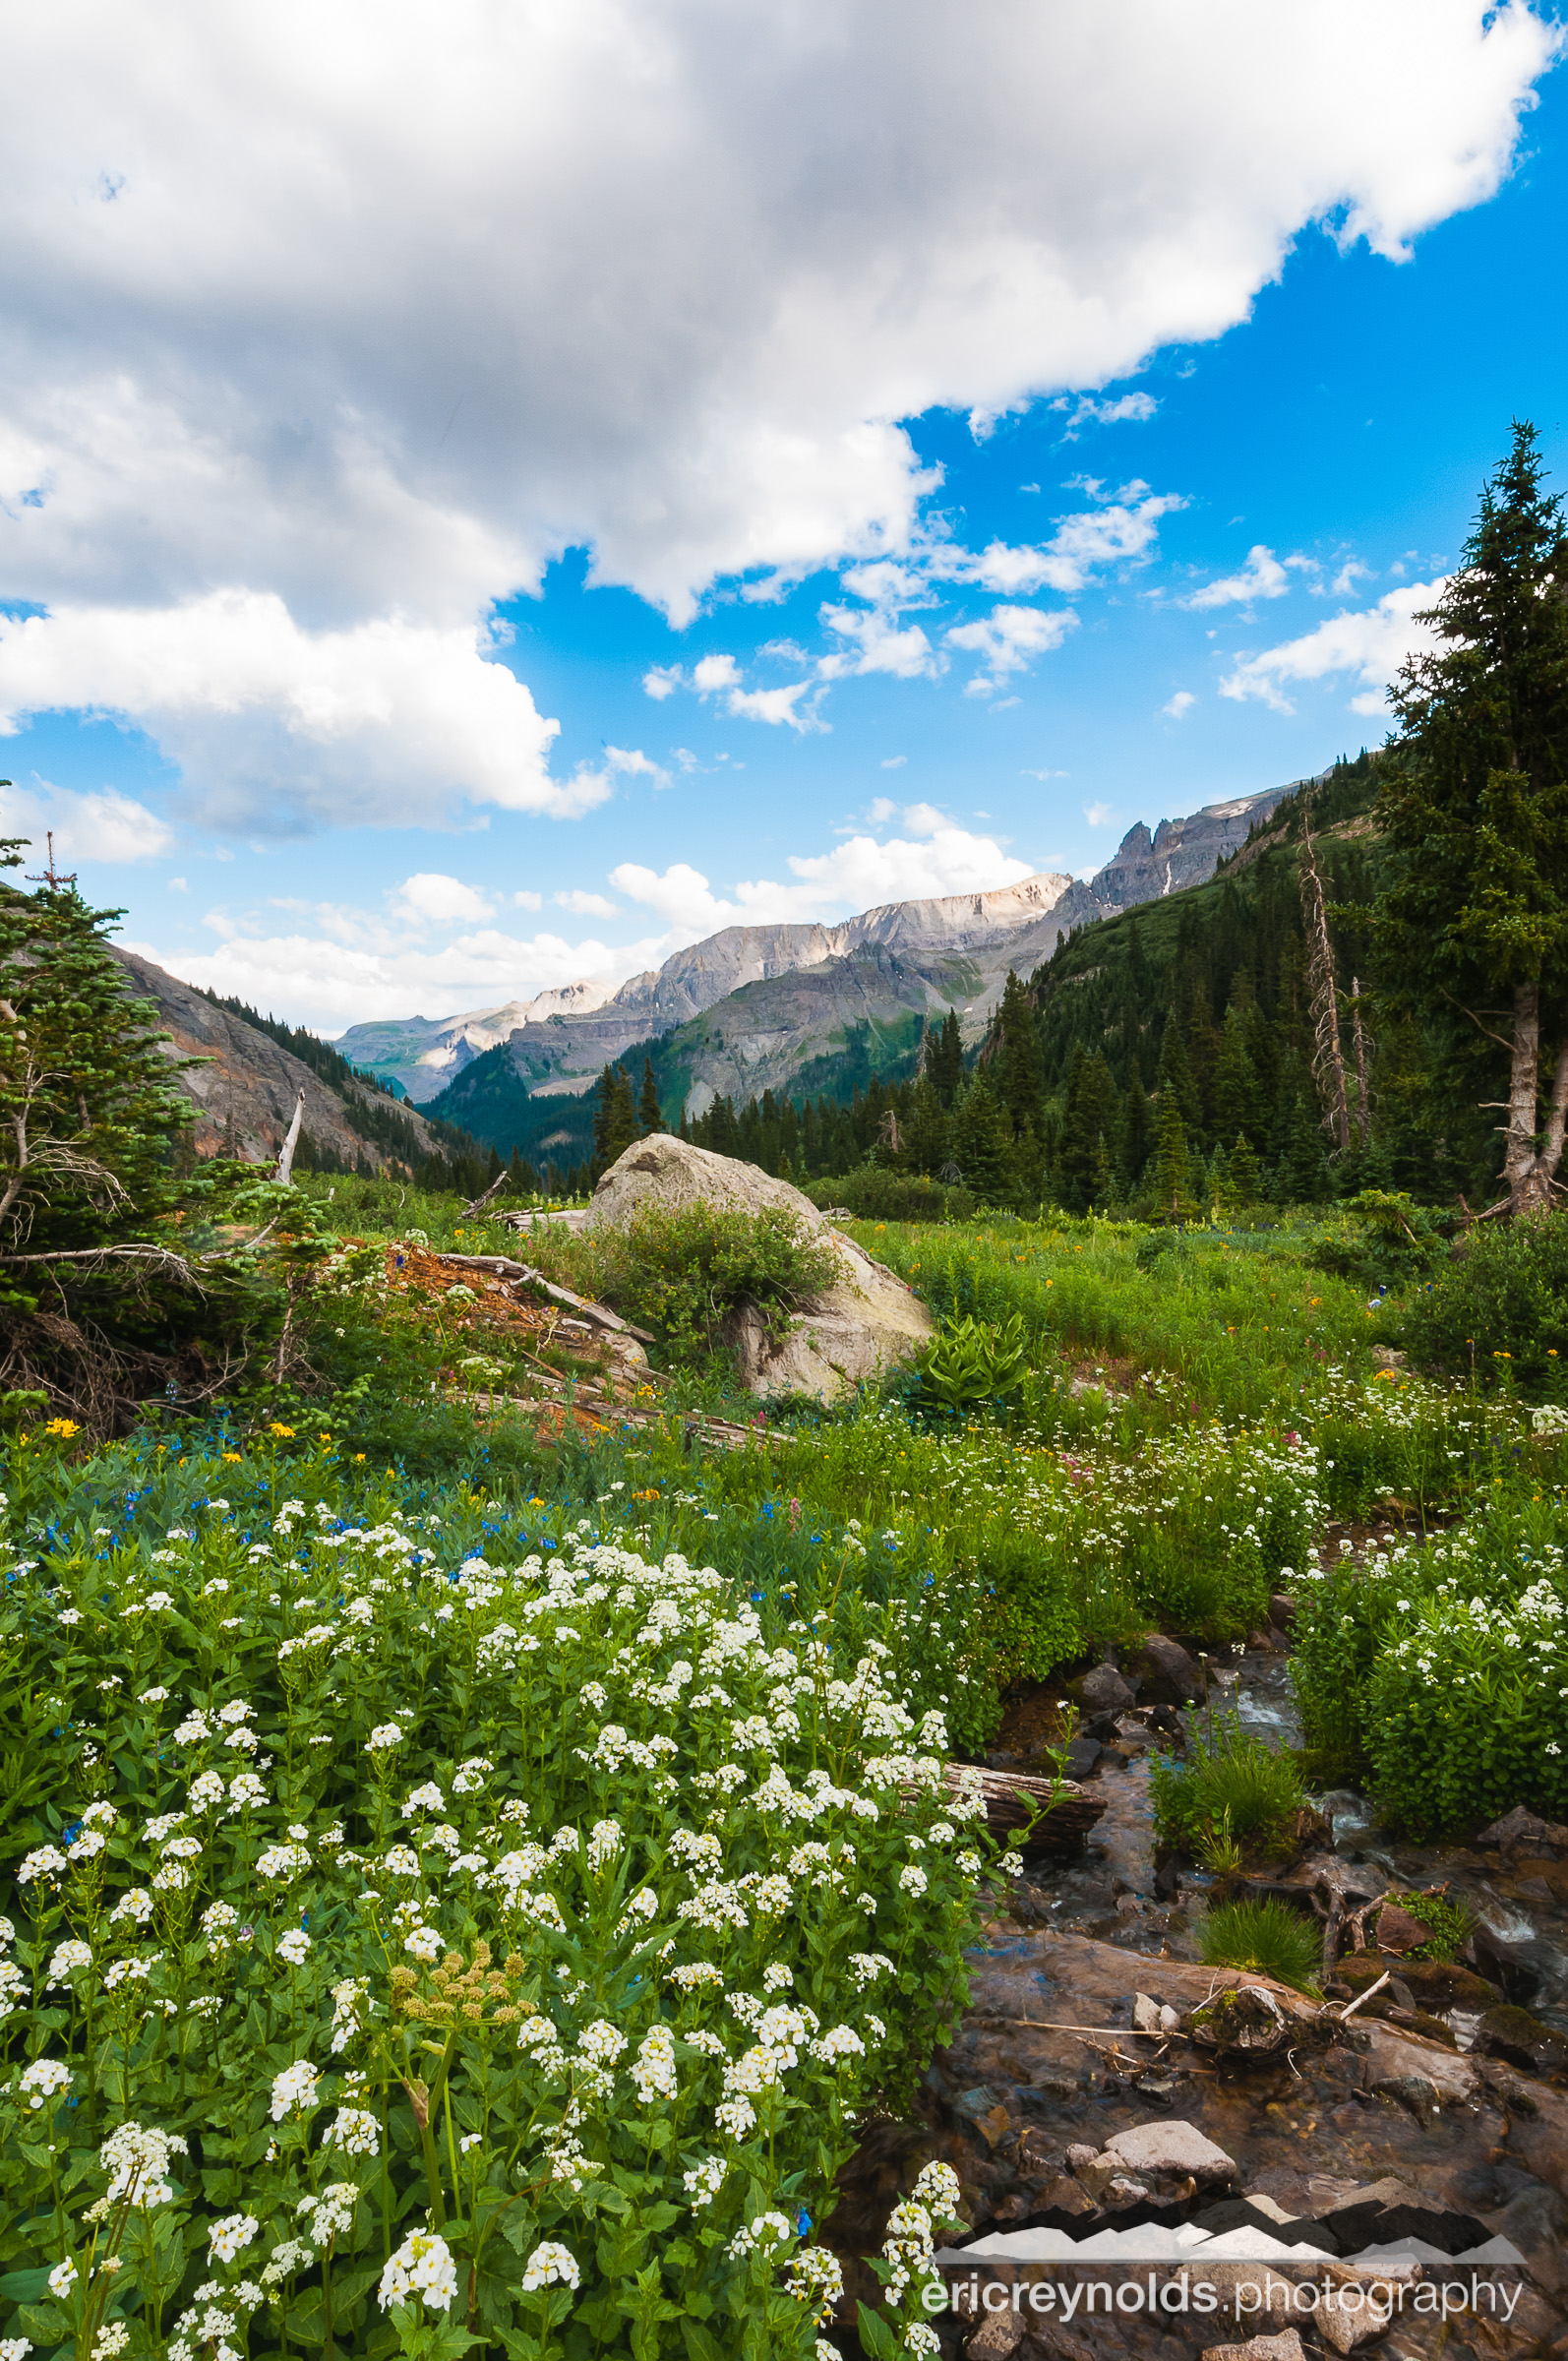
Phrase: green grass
{"type": "Point", "coordinates": [1231, 1781]}
{"type": "Point", "coordinates": [1268, 1938]}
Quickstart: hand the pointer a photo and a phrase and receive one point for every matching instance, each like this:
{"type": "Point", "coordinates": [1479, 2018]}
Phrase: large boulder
{"type": "Point", "coordinates": [868, 1321]}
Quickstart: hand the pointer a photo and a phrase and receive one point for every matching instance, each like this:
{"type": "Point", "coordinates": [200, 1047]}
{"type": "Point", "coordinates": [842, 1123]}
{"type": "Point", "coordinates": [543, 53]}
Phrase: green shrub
{"type": "Point", "coordinates": [872, 1194]}
{"type": "Point", "coordinates": [1268, 1938]}
{"type": "Point", "coordinates": [1451, 1923]}
{"type": "Point", "coordinates": [1228, 1771]}
{"type": "Point", "coordinates": [1500, 1307]}
{"type": "Point", "coordinates": [686, 1269]}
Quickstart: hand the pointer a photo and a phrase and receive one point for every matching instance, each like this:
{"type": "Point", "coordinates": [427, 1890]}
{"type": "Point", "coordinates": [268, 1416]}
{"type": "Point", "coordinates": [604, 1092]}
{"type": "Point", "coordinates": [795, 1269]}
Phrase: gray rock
{"type": "Point", "coordinates": [858, 1328]}
{"type": "Point", "coordinates": [1104, 1690]}
{"type": "Point", "coordinates": [1281, 1611]}
{"type": "Point", "coordinates": [997, 2338]}
{"type": "Point", "coordinates": [1171, 1675]}
{"type": "Point", "coordinates": [1286, 2346]}
{"type": "Point", "coordinates": [1525, 1832]}
{"type": "Point", "coordinates": [1171, 2148]}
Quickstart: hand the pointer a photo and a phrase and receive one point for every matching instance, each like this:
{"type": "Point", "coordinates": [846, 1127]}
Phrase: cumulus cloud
{"type": "Point", "coordinates": [1008, 639]}
{"type": "Point", "coordinates": [272, 324]}
{"type": "Point", "coordinates": [1371, 644]}
{"type": "Point", "coordinates": [429, 897]}
{"type": "Point", "coordinates": [584, 905]}
{"type": "Point", "coordinates": [1088, 411]}
{"type": "Point", "coordinates": [1180, 705]}
{"type": "Point", "coordinates": [340, 967]}
{"type": "Point", "coordinates": [1099, 816]}
{"type": "Point", "coordinates": [936, 858]}
{"type": "Point", "coordinates": [108, 827]}
{"type": "Point", "coordinates": [387, 722]}
{"type": "Point", "coordinates": [1262, 577]}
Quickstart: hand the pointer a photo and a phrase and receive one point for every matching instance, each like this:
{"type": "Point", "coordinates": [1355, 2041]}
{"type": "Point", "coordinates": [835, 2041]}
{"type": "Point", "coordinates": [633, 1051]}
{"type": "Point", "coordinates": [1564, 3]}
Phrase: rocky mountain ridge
{"type": "Point", "coordinates": [778, 996]}
{"type": "Point", "coordinates": [245, 1086]}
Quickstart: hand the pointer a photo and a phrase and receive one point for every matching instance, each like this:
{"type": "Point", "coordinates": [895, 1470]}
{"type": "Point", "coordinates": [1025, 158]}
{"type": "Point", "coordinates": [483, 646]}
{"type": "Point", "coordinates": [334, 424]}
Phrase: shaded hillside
{"type": "Point", "coordinates": [247, 1084]}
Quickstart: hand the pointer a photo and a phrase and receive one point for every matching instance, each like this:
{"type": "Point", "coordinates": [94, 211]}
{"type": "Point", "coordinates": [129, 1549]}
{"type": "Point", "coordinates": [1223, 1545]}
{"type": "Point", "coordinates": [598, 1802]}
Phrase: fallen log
{"type": "Point", "coordinates": [501, 1266]}
{"type": "Point", "coordinates": [1012, 1797]}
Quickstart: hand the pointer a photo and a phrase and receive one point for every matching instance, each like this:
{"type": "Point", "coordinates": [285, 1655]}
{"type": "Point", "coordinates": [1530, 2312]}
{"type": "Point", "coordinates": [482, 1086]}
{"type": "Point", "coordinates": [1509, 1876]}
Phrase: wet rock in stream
{"type": "Point", "coordinates": [1434, 2123]}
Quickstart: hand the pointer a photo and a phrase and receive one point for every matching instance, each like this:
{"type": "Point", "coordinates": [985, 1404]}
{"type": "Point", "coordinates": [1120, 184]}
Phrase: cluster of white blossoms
{"type": "Point", "coordinates": [138, 2157]}
{"type": "Point", "coordinates": [422, 2267]}
{"type": "Point", "coordinates": [296, 2090]}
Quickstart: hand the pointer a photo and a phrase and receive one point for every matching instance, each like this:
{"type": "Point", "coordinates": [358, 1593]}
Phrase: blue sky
{"type": "Point", "coordinates": [969, 644]}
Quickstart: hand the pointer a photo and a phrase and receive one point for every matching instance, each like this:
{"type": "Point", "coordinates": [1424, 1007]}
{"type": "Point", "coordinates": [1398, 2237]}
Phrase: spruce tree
{"type": "Point", "coordinates": [1236, 1099]}
{"type": "Point", "coordinates": [1021, 1082]}
{"type": "Point", "coordinates": [945, 1063]}
{"type": "Point", "coordinates": [1136, 1133]}
{"type": "Point", "coordinates": [1169, 1186]}
{"type": "Point", "coordinates": [649, 1115]}
{"type": "Point", "coordinates": [1474, 805]}
{"type": "Point", "coordinates": [1176, 1077]}
{"type": "Point", "coordinates": [615, 1120]}
{"type": "Point", "coordinates": [980, 1142]}
{"type": "Point", "coordinates": [89, 1108]}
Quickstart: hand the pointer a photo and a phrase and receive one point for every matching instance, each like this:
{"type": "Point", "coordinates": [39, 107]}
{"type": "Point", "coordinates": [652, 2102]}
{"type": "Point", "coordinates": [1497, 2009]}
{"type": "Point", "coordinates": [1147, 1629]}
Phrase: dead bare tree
{"type": "Point", "coordinates": [1328, 1058]}
{"type": "Point", "coordinates": [478, 1204]}
{"type": "Point", "coordinates": [285, 1160]}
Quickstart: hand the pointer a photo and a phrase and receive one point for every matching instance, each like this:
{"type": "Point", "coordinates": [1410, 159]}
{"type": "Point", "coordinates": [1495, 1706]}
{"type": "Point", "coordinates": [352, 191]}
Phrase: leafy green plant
{"type": "Point", "coordinates": [1231, 1781]}
{"type": "Point", "coordinates": [1498, 1309]}
{"type": "Point", "coordinates": [687, 1269]}
{"type": "Point", "coordinates": [1268, 1938]}
{"type": "Point", "coordinates": [973, 1362]}
{"type": "Point", "coordinates": [872, 1194]}
{"type": "Point", "coordinates": [1451, 1923]}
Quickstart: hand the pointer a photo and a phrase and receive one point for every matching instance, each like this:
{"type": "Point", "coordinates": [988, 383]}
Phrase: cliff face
{"type": "Point", "coordinates": [245, 1090]}
{"type": "Point", "coordinates": [756, 1006]}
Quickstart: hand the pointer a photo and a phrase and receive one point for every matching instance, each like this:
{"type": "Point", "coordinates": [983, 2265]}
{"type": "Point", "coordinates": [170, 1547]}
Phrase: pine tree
{"type": "Point", "coordinates": [1304, 1174]}
{"type": "Point", "coordinates": [1169, 1186]}
{"type": "Point", "coordinates": [1237, 1099]}
{"type": "Point", "coordinates": [947, 1061]}
{"type": "Point", "coordinates": [1176, 1077]}
{"type": "Point", "coordinates": [1094, 1107]}
{"type": "Point", "coordinates": [1244, 1171]}
{"type": "Point", "coordinates": [615, 1120]}
{"type": "Point", "coordinates": [1474, 926]}
{"type": "Point", "coordinates": [1021, 1080]}
{"type": "Point", "coordinates": [88, 1106]}
{"type": "Point", "coordinates": [1136, 1133]}
{"type": "Point", "coordinates": [649, 1115]}
{"type": "Point", "coordinates": [980, 1142]}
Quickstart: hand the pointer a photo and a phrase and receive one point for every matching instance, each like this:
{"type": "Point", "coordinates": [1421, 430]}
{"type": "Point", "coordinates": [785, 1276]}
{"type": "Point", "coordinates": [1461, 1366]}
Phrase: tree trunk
{"type": "Point", "coordinates": [1328, 1058]}
{"type": "Point", "coordinates": [285, 1161]}
{"type": "Point", "coordinates": [1526, 1193]}
{"type": "Point", "coordinates": [1364, 1098]}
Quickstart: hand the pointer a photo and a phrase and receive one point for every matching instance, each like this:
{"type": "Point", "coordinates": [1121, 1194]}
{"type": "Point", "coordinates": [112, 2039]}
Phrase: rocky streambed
{"type": "Point", "coordinates": [1413, 2126]}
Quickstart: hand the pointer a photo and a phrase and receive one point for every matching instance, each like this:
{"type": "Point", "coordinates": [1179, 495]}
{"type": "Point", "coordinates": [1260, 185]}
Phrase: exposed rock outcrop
{"type": "Point", "coordinates": [246, 1087]}
{"type": "Point", "coordinates": [861, 1326]}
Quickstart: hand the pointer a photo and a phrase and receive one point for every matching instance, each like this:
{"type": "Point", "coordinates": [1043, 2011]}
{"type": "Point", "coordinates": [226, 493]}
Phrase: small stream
{"type": "Point", "coordinates": [1112, 1891]}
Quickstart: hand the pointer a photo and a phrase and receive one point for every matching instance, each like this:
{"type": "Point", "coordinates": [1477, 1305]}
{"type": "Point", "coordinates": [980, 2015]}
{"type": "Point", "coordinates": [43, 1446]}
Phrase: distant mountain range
{"type": "Point", "coordinates": [785, 1008]}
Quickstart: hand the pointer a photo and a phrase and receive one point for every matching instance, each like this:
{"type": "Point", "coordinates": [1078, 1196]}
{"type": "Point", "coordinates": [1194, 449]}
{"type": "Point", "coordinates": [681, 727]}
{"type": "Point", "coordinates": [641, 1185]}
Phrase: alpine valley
{"type": "Point", "coordinates": [792, 1009]}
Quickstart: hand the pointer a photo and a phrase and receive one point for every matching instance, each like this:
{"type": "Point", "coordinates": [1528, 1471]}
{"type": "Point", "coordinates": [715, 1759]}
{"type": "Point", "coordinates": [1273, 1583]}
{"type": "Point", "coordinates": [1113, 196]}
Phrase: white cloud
{"type": "Point", "coordinates": [715, 673]}
{"type": "Point", "coordinates": [586, 905]}
{"type": "Point", "coordinates": [1350, 574]}
{"type": "Point", "coordinates": [776, 706]}
{"type": "Point", "coordinates": [272, 324]}
{"type": "Point", "coordinates": [894, 761]}
{"type": "Point", "coordinates": [1008, 639]}
{"type": "Point", "coordinates": [880, 646]}
{"type": "Point", "coordinates": [388, 722]}
{"type": "Point", "coordinates": [936, 858]}
{"type": "Point", "coordinates": [1371, 644]}
{"type": "Point", "coordinates": [882, 808]}
{"type": "Point", "coordinates": [662, 682]}
{"type": "Point", "coordinates": [344, 966]}
{"type": "Point", "coordinates": [1180, 704]}
{"type": "Point", "coordinates": [1122, 527]}
{"type": "Point", "coordinates": [1262, 577]}
{"type": "Point", "coordinates": [108, 827]}
{"type": "Point", "coordinates": [1088, 411]}
{"type": "Point", "coordinates": [1099, 816]}
{"type": "Point", "coordinates": [523, 899]}
{"type": "Point", "coordinates": [429, 898]}
{"type": "Point", "coordinates": [179, 885]}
